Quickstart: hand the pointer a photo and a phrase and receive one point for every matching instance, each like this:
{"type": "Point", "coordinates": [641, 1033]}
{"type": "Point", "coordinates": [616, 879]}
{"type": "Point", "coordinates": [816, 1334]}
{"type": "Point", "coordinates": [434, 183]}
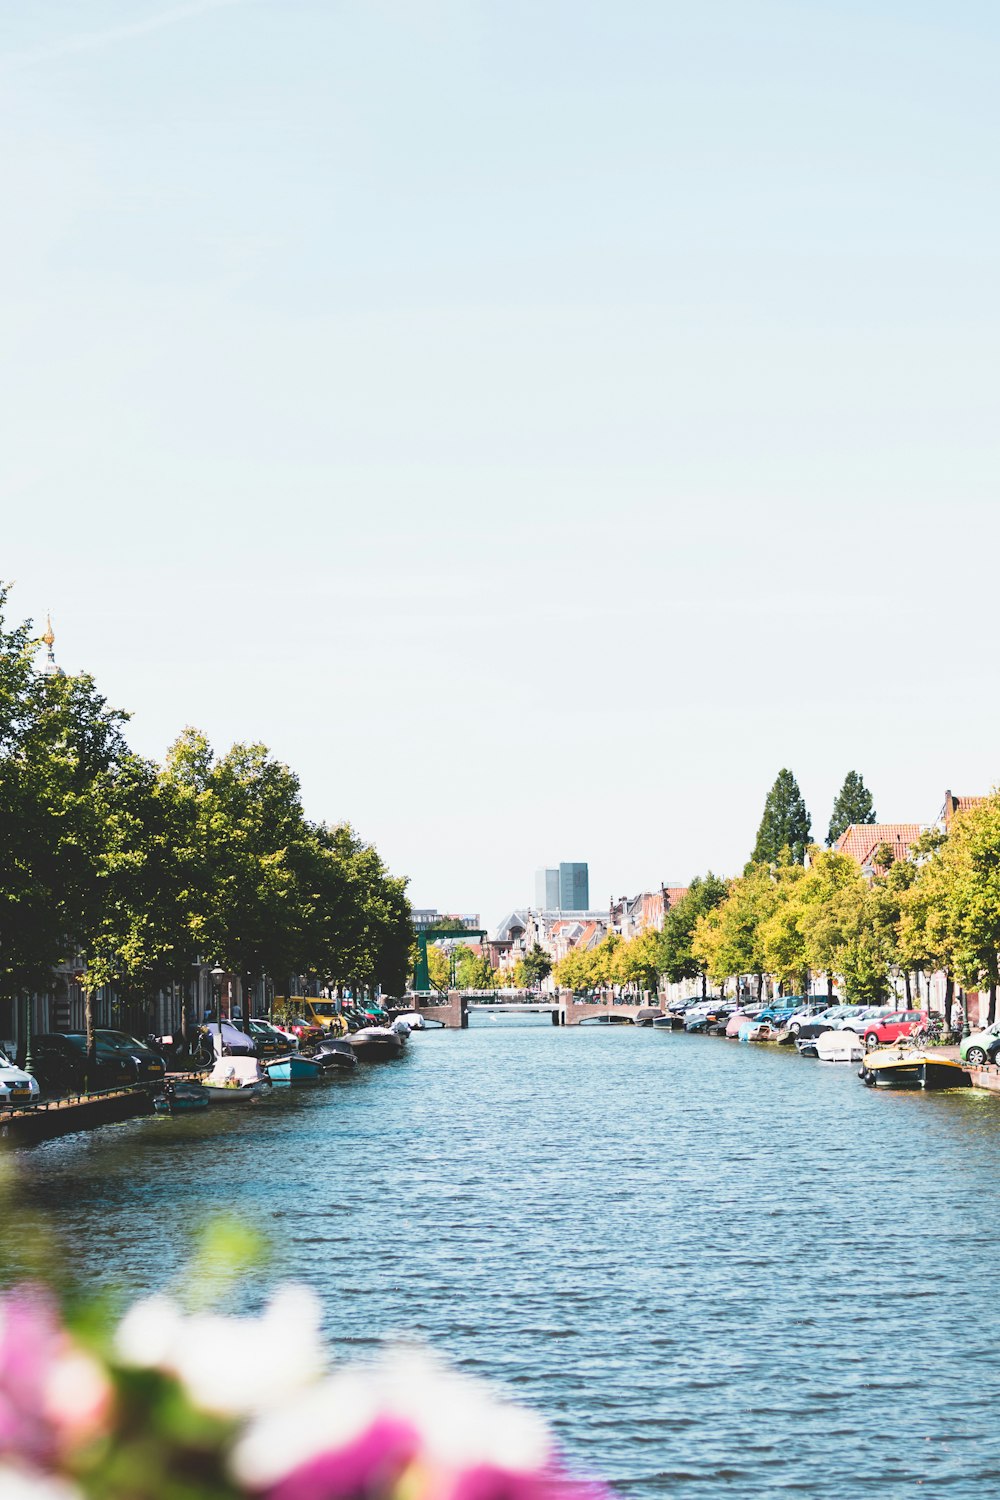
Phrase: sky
{"type": "Point", "coordinates": [537, 423]}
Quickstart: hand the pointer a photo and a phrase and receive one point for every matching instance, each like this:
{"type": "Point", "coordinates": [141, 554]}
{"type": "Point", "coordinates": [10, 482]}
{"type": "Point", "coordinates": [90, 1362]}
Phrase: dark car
{"type": "Point", "coordinates": [149, 1065]}
{"type": "Point", "coordinates": [61, 1065]}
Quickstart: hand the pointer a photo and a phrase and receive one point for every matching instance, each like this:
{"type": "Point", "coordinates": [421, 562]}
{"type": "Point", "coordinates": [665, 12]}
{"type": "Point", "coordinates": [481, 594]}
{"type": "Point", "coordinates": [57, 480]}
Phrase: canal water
{"type": "Point", "coordinates": [717, 1270]}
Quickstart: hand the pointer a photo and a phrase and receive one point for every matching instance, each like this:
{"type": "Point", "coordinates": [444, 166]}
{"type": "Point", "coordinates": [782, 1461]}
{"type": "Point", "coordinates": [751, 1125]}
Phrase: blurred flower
{"type": "Point", "coordinates": [228, 1366]}
{"type": "Point", "coordinates": [21, 1484]}
{"type": "Point", "coordinates": [52, 1394]}
{"type": "Point", "coordinates": [406, 1428]}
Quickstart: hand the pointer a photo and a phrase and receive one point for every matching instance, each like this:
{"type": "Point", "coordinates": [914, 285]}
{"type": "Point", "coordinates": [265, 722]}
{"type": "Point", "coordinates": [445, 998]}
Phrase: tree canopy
{"type": "Point", "coordinates": [784, 831]}
{"type": "Point", "coordinates": [144, 868]}
{"type": "Point", "coordinates": [853, 804]}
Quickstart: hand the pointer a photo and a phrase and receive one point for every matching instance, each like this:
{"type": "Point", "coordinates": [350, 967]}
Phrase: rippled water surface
{"type": "Point", "coordinates": [718, 1270]}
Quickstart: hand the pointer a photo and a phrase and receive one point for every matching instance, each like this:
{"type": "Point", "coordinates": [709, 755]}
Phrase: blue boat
{"type": "Point", "coordinates": [293, 1068]}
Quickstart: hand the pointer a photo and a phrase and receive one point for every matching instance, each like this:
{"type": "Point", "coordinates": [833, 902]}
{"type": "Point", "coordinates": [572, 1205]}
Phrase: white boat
{"type": "Point", "coordinates": [237, 1078]}
{"type": "Point", "coordinates": [414, 1020]}
{"type": "Point", "coordinates": [839, 1047]}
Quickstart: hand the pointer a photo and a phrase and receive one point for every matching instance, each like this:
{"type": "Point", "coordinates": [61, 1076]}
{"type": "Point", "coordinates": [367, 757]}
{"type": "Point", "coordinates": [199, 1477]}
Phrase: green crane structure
{"type": "Point", "coordinates": [421, 973]}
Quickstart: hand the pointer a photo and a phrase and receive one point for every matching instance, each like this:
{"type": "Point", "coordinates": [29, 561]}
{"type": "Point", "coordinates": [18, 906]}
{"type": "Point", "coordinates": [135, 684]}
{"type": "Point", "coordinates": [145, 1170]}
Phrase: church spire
{"type": "Point", "coordinates": [49, 666]}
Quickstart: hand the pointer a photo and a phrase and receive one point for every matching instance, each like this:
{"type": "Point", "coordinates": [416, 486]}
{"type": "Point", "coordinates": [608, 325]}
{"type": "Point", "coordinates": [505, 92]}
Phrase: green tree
{"type": "Point", "coordinates": [727, 939]}
{"type": "Point", "coordinates": [537, 966]}
{"type": "Point", "coordinates": [785, 824]}
{"type": "Point", "coordinates": [853, 804]}
{"type": "Point", "coordinates": [677, 959]}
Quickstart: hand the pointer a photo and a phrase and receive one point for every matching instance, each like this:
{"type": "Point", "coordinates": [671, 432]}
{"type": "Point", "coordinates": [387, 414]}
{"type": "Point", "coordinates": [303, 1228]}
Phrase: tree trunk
{"type": "Point", "coordinates": [908, 992]}
{"type": "Point", "coordinates": [829, 985]}
{"type": "Point", "coordinates": [704, 986]}
{"type": "Point", "coordinates": [88, 1017]}
{"type": "Point", "coordinates": [992, 1012]}
{"type": "Point", "coordinates": [949, 997]}
{"type": "Point", "coordinates": [760, 988]}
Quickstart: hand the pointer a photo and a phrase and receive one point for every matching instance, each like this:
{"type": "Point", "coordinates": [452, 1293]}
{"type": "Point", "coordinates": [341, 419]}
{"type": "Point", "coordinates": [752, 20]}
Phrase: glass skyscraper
{"type": "Point", "coordinates": [547, 890]}
{"type": "Point", "coordinates": [574, 887]}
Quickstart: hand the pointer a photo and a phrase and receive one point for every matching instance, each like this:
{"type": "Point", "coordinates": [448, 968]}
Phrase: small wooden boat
{"type": "Point", "coordinates": [181, 1097]}
{"type": "Point", "coordinates": [294, 1068]}
{"type": "Point", "coordinates": [648, 1015]}
{"type": "Point", "coordinates": [237, 1079]}
{"type": "Point", "coordinates": [898, 1067]}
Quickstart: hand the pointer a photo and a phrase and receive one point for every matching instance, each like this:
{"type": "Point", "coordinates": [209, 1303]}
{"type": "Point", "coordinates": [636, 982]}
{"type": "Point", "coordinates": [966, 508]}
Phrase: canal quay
{"type": "Point", "coordinates": [716, 1269]}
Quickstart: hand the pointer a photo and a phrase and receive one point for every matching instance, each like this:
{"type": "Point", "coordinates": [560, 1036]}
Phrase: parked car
{"type": "Point", "coordinates": [888, 1028]}
{"type": "Point", "coordinates": [863, 1016]}
{"type": "Point", "coordinates": [61, 1064]}
{"type": "Point", "coordinates": [17, 1088]}
{"type": "Point", "coordinates": [979, 1047]}
{"type": "Point", "coordinates": [270, 1041]}
{"type": "Point", "coordinates": [306, 1032]}
{"type": "Point", "coordinates": [149, 1065]}
{"type": "Point", "coordinates": [825, 1020]}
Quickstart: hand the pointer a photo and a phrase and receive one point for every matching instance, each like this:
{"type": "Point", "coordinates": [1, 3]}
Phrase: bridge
{"type": "Point", "coordinates": [454, 1009]}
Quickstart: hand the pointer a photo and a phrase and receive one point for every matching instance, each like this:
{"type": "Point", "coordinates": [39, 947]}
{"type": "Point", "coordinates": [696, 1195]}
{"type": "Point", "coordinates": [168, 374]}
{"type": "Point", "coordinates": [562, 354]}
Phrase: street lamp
{"type": "Point", "coordinates": [218, 975]}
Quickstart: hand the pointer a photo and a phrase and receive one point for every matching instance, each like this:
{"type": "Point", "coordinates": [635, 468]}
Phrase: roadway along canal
{"type": "Point", "coordinates": [718, 1270]}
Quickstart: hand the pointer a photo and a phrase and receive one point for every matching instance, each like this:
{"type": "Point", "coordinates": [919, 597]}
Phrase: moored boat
{"type": "Point", "coordinates": [237, 1078]}
{"type": "Point", "coordinates": [898, 1067]}
{"type": "Point", "coordinates": [181, 1096]}
{"type": "Point", "coordinates": [377, 1043]}
{"type": "Point", "coordinates": [336, 1055]}
{"type": "Point", "coordinates": [839, 1047]}
{"type": "Point", "coordinates": [293, 1069]}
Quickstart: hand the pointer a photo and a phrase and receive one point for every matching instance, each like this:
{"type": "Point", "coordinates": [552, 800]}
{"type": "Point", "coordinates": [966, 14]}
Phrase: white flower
{"type": "Point", "coordinates": [229, 1365]}
{"type": "Point", "coordinates": [460, 1422]}
{"type": "Point", "coordinates": [22, 1484]}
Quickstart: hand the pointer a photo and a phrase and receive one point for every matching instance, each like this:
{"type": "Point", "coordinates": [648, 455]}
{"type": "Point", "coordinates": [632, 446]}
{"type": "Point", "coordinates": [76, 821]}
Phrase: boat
{"type": "Point", "coordinates": [417, 1021]}
{"type": "Point", "coordinates": [667, 1023]}
{"type": "Point", "coordinates": [335, 1055]}
{"type": "Point", "coordinates": [293, 1068]}
{"type": "Point", "coordinates": [738, 1019]}
{"type": "Point", "coordinates": [912, 1067]}
{"type": "Point", "coordinates": [648, 1015]}
{"type": "Point", "coordinates": [755, 1031]}
{"type": "Point", "coordinates": [612, 1018]}
{"type": "Point", "coordinates": [377, 1043]}
{"type": "Point", "coordinates": [181, 1096]}
{"type": "Point", "coordinates": [839, 1047]}
{"type": "Point", "coordinates": [237, 1078]}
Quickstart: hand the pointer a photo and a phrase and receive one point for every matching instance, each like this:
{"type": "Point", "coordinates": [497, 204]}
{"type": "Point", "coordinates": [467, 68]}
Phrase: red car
{"type": "Point", "coordinates": [306, 1032]}
{"type": "Point", "coordinates": [902, 1023]}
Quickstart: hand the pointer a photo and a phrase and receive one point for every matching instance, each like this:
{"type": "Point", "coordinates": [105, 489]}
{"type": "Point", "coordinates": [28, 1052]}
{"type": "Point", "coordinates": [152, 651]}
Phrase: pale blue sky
{"type": "Point", "coordinates": [539, 423]}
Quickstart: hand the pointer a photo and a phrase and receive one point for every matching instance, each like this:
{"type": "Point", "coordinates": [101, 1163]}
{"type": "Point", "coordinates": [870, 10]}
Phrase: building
{"type": "Point", "coordinates": [425, 917]}
{"type": "Point", "coordinates": [954, 805]}
{"type": "Point", "coordinates": [574, 887]}
{"type": "Point", "coordinates": [861, 840]}
{"type": "Point", "coordinates": [547, 889]}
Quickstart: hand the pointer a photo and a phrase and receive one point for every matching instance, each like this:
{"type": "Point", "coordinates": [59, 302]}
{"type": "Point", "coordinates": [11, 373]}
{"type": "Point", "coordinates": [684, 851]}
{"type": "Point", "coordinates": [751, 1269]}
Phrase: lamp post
{"type": "Point", "coordinates": [218, 974]}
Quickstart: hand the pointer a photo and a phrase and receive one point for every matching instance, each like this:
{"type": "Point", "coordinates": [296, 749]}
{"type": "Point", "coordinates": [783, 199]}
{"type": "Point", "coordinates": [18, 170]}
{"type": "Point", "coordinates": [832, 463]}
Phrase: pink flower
{"type": "Point", "coordinates": [52, 1393]}
{"type": "Point", "coordinates": [371, 1465]}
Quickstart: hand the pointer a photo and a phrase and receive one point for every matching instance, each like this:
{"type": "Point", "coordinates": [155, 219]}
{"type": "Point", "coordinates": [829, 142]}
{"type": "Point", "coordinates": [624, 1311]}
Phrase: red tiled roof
{"type": "Point", "coordinates": [860, 841]}
{"type": "Point", "coordinates": [953, 805]}
{"type": "Point", "coordinates": [675, 893]}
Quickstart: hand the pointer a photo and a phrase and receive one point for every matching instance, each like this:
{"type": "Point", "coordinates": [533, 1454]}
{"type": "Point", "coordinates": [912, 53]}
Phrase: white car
{"type": "Point", "coordinates": [17, 1088]}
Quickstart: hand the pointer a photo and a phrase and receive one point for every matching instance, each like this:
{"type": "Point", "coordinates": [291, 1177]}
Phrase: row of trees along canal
{"type": "Point", "coordinates": [142, 868]}
{"type": "Point", "coordinates": [937, 909]}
